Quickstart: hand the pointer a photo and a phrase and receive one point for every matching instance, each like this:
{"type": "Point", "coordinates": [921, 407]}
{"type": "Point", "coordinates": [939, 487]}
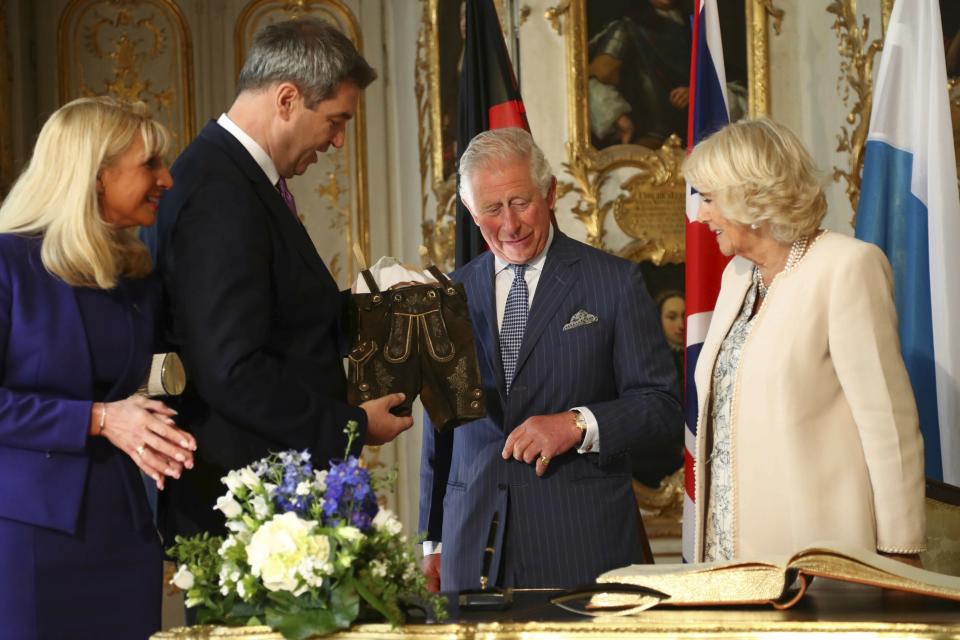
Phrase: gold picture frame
{"type": "Point", "coordinates": [649, 205]}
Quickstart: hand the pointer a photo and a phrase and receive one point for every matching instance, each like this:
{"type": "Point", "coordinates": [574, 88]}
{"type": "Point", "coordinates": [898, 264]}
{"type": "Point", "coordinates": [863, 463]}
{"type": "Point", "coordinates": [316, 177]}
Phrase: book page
{"type": "Point", "coordinates": [845, 562]}
{"type": "Point", "coordinates": [728, 583]}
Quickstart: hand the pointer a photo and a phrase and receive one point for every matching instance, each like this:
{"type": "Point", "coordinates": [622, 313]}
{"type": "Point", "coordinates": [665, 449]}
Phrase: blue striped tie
{"type": "Point", "coordinates": [514, 323]}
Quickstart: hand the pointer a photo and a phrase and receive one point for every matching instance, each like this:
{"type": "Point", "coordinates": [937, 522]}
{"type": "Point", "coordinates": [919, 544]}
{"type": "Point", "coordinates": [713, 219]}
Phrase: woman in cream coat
{"type": "Point", "coordinates": [808, 428]}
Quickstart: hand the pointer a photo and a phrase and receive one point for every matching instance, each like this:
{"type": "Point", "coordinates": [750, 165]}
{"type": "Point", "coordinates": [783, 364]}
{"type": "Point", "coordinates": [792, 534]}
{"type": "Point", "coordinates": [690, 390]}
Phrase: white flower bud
{"type": "Point", "coordinates": [230, 507]}
{"type": "Point", "coordinates": [182, 579]}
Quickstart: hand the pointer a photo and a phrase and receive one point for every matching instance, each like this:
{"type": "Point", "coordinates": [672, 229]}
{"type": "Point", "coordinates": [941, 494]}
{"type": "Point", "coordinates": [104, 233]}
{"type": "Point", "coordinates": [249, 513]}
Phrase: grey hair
{"type": "Point", "coordinates": [309, 52]}
{"type": "Point", "coordinates": [502, 145]}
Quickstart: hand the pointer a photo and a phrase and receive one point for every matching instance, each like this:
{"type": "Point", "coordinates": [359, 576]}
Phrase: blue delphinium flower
{"type": "Point", "coordinates": [297, 473]}
{"type": "Point", "coordinates": [349, 498]}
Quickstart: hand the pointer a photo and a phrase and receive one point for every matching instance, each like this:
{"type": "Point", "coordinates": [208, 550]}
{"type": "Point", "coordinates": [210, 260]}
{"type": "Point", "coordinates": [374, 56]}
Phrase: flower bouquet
{"type": "Point", "coordinates": [308, 551]}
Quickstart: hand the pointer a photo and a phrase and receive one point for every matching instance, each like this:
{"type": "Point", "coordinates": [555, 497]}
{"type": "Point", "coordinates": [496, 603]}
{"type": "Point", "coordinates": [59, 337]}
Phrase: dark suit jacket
{"type": "Point", "coordinates": [579, 519]}
{"type": "Point", "coordinates": [255, 315]}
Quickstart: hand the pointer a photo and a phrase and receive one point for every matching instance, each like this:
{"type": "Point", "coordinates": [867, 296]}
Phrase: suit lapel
{"type": "Point", "coordinates": [294, 232]}
{"type": "Point", "coordinates": [484, 283]}
{"type": "Point", "coordinates": [555, 283]}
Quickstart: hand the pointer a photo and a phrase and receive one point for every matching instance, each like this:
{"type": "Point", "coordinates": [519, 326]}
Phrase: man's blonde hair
{"type": "Point", "coordinates": [758, 171]}
{"type": "Point", "coordinates": [56, 195]}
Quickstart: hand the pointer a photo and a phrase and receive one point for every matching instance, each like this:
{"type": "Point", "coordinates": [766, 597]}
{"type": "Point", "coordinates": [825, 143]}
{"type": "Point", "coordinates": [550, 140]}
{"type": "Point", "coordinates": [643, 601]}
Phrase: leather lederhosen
{"type": "Point", "coordinates": [417, 339]}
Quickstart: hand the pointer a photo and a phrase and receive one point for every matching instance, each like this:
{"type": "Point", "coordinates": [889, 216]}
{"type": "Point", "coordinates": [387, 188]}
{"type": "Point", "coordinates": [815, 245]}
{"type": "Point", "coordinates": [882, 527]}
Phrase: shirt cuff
{"type": "Point", "coordinates": [430, 548]}
{"type": "Point", "coordinates": [591, 439]}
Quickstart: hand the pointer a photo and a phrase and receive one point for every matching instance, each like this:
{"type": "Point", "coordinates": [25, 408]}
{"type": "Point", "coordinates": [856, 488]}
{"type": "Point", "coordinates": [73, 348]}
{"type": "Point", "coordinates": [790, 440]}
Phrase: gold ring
{"type": "Point", "coordinates": [140, 450]}
{"type": "Point", "coordinates": [544, 460]}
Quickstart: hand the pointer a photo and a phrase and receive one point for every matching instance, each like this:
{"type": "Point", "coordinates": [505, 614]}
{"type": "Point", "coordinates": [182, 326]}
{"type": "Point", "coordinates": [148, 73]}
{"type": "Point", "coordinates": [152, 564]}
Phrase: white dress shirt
{"type": "Point", "coordinates": [254, 149]}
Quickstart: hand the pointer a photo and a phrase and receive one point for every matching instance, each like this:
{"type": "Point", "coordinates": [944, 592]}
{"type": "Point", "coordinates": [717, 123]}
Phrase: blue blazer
{"type": "Point", "coordinates": [46, 386]}
{"type": "Point", "coordinates": [579, 519]}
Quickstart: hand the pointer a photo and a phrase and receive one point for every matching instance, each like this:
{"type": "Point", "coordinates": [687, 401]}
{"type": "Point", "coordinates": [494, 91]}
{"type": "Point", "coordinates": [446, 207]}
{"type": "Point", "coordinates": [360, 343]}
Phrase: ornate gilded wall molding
{"type": "Point", "coordinates": [641, 199]}
{"type": "Point", "coordinates": [7, 175]}
{"type": "Point", "coordinates": [855, 84]}
{"type": "Point", "coordinates": [758, 53]}
{"type": "Point", "coordinates": [662, 508]}
{"type": "Point", "coordinates": [776, 14]}
{"type": "Point", "coordinates": [886, 8]}
{"type": "Point", "coordinates": [337, 197]}
{"type": "Point", "coordinates": [347, 180]}
{"type": "Point", "coordinates": [524, 13]}
{"type": "Point", "coordinates": [133, 49]}
{"type": "Point", "coordinates": [554, 15]}
{"type": "Point", "coordinates": [436, 135]}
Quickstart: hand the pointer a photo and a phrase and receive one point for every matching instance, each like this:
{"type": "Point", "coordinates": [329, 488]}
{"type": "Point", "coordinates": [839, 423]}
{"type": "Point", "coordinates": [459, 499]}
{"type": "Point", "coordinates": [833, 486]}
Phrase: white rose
{"type": "Point", "coordinates": [230, 507]}
{"type": "Point", "coordinates": [303, 489]}
{"type": "Point", "coordinates": [182, 579]}
{"type": "Point", "coordinates": [280, 547]}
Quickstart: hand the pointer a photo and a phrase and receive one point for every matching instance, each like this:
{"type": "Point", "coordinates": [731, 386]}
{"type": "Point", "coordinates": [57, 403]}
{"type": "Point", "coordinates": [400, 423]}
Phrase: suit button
{"type": "Point", "coordinates": [364, 386]}
{"type": "Point", "coordinates": [477, 393]}
{"type": "Point", "coordinates": [48, 454]}
{"type": "Point", "coordinates": [502, 487]}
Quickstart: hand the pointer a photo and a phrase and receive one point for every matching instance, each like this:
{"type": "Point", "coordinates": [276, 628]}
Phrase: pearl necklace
{"type": "Point", "coordinates": [798, 249]}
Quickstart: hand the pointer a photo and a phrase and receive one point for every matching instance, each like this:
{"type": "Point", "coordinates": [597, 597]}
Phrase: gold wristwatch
{"type": "Point", "coordinates": [580, 423]}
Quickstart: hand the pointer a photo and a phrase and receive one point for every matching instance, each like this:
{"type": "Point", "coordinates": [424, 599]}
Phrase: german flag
{"type": "Point", "coordinates": [489, 99]}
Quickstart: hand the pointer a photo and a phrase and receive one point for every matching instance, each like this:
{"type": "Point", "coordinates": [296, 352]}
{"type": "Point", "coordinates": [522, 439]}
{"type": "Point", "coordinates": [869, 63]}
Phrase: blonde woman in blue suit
{"type": "Point", "coordinates": [79, 554]}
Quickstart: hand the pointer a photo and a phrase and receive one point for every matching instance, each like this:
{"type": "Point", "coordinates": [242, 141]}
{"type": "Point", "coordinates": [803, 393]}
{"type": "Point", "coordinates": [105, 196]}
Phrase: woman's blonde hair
{"type": "Point", "coordinates": [56, 195]}
{"type": "Point", "coordinates": [758, 171]}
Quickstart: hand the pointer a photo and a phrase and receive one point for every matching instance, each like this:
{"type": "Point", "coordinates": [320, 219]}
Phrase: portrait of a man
{"type": "Point", "coordinates": [639, 68]}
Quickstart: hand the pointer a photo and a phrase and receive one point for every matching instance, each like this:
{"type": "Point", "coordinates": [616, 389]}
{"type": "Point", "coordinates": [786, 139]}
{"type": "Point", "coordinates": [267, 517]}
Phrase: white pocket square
{"type": "Point", "coordinates": [579, 319]}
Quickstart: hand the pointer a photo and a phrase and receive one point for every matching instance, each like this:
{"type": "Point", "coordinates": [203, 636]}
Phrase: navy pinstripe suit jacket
{"type": "Point", "coordinates": [579, 519]}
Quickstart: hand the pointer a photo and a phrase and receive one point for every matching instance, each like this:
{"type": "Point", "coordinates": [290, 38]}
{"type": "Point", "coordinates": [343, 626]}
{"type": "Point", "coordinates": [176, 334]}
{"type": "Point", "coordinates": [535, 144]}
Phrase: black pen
{"type": "Point", "coordinates": [488, 551]}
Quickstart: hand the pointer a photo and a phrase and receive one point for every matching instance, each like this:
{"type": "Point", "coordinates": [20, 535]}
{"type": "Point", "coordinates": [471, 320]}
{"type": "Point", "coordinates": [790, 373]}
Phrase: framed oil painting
{"type": "Point", "coordinates": [638, 68]}
{"type": "Point", "coordinates": [628, 94]}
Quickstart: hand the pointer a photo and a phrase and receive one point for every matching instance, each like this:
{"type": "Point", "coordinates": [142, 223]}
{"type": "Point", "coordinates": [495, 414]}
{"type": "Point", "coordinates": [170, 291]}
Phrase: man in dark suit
{"type": "Point", "coordinates": [576, 372]}
{"type": "Point", "coordinates": [254, 311]}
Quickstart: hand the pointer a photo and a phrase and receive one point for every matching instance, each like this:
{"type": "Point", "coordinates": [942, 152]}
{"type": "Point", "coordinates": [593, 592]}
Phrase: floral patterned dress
{"type": "Point", "coordinates": [718, 532]}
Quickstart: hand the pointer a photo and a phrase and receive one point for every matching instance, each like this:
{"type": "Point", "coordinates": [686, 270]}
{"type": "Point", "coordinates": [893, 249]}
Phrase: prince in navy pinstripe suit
{"type": "Point", "coordinates": [591, 378]}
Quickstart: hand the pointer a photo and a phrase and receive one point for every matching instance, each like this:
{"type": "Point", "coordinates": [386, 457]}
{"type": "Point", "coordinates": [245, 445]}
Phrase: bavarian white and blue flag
{"type": "Point", "coordinates": [910, 208]}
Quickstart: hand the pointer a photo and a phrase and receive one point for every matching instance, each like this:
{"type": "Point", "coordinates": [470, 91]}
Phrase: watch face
{"type": "Point", "coordinates": [581, 422]}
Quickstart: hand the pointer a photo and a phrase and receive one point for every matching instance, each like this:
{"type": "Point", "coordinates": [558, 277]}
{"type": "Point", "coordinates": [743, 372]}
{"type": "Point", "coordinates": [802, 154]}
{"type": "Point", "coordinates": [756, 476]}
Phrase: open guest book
{"type": "Point", "coordinates": [780, 582]}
